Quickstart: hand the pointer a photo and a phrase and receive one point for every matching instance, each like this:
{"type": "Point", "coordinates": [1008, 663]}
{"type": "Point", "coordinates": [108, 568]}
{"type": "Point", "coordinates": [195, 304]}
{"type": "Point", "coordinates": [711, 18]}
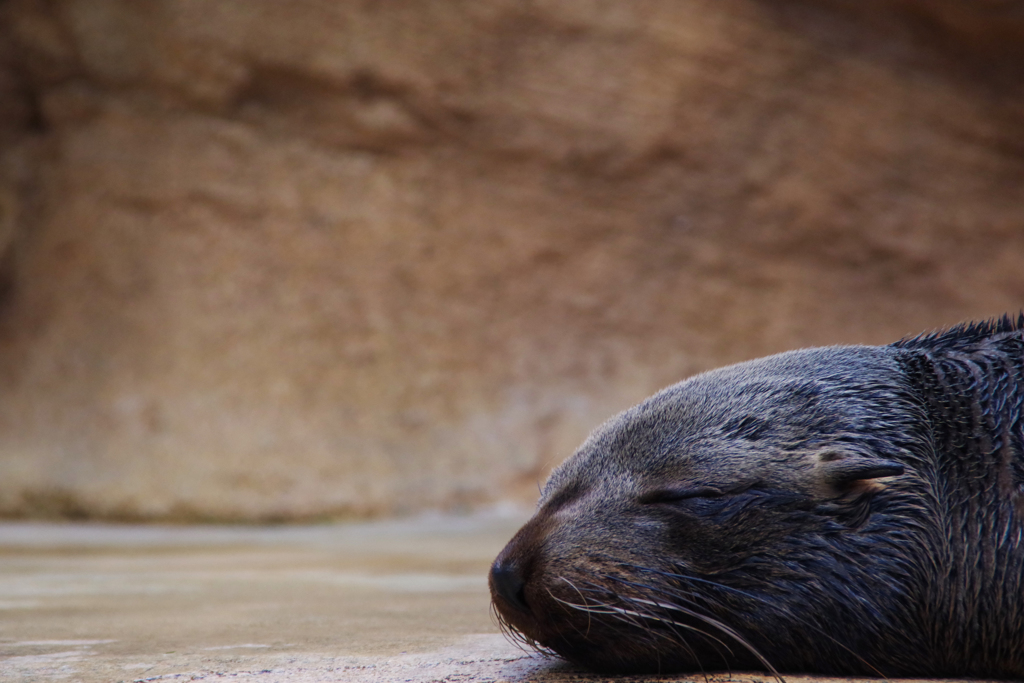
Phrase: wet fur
{"type": "Point", "coordinates": [844, 510]}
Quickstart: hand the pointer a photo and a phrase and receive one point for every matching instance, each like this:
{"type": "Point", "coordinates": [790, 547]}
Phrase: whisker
{"type": "Point", "coordinates": [679, 638]}
{"type": "Point", "coordinates": [621, 614]}
{"type": "Point", "coordinates": [638, 618]}
{"type": "Point", "coordinates": [710, 621]}
{"type": "Point", "coordinates": [517, 637]}
{"type": "Point", "coordinates": [684, 611]}
{"type": "Point", "coordinates": [582, 597]}
{"type": "Point", "coordinates": [803, 622]}
{"type": "Point", "coordinates": [673, 622]}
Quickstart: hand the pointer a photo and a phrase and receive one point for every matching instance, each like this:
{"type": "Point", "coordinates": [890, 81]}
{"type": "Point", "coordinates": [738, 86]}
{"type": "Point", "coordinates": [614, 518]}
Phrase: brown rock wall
{"type": "Point", "coordinates": [281, 260]}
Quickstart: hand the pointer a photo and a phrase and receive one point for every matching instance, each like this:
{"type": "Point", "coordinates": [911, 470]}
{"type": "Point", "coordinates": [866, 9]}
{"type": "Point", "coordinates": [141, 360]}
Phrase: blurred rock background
{"type": "Point", "coordinates": [269, 260]}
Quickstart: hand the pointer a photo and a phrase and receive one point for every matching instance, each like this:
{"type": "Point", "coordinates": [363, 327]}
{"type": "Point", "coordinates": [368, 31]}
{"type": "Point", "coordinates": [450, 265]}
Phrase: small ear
{"type": "Point", "coordinates": [842, 469]}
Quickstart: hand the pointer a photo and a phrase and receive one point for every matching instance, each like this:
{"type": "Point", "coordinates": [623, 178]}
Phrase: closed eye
{"type": "Point", "coordinates": [673, 495]}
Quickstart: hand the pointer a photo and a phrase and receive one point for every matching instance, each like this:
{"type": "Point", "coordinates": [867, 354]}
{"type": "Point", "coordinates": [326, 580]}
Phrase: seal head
{"type": "Point", "coordinates": [794, 513]}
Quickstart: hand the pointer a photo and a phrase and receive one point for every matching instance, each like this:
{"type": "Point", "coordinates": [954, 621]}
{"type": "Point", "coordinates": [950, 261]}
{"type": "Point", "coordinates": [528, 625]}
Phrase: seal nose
{"type": "Point", "coordinates": [507, 581]}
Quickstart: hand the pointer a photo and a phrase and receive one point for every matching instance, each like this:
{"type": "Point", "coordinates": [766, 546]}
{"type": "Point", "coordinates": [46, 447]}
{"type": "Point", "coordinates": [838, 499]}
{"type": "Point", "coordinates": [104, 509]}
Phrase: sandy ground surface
{"type": "Point", "coordinates": [377, 602]}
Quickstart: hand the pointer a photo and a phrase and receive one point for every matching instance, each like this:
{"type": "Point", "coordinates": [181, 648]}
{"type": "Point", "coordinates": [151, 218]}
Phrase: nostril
{"type": "Point", "coordinates": [507, 581]}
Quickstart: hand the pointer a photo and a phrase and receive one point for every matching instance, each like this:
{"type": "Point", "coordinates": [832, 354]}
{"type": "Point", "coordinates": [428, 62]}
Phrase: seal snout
{"type": "Point", "coordinates": [508, 584]}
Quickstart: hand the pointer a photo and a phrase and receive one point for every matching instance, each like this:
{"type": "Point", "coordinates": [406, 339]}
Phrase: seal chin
{"type": "Point", "coordinates": [606, 632]}
{"type": "Point", "coordinates": [513, 609]}
{"type": "Point", "coordinates": [600, 616]}
{"type": "Point", "coordinates": [528, 618]}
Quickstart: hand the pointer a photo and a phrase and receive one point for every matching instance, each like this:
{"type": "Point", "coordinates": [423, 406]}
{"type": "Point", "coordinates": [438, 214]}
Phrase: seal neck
{"type": "Point", "coordinates": [973, 397]}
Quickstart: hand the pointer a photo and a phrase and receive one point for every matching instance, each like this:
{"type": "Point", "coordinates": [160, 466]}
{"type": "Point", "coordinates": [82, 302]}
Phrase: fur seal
{"type": "Point", "coordinates": [852, 510]}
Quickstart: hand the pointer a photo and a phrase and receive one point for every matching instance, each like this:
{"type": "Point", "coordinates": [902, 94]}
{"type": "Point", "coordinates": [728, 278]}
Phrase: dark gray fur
{"type": "Point", "coordinates": [844, 510]}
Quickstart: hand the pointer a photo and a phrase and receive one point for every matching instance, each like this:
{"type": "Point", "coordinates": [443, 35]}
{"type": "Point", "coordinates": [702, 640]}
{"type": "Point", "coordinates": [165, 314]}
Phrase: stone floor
{"type": "Point", "coordinates": [375, 602]}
